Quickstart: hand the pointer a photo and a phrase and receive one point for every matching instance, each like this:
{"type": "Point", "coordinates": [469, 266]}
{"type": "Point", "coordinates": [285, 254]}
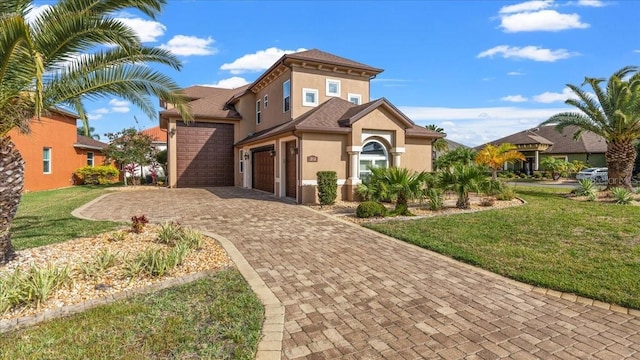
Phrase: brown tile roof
{"type": "Point", "coordinates": [84, 142]}
{"type": "Point", "coordinates": [211, 104]}
{"type": "Point", "coordinates": [156, 133]}
{"type": "Point", "coordinates": [337, 115]}
{"type": "Point", "coordinates": [561, 143]}
{"type": "Point", "coordinates": [319, 56]}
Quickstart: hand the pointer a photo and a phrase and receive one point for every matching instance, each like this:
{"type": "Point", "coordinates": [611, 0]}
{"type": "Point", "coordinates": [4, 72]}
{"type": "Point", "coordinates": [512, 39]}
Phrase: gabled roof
{"type": "Point", "coordinates": [337, 115]}
{"type": "Point", "coordinates": [84, 142]}
{"type": "Point", "coordinates": [315, 55]}
{"type": "Point", "coordinates": [156, 133]}
{"type": "Point", "coordinates": [560, 142]}
{"type": "Point", "coordinates": [210, 102]}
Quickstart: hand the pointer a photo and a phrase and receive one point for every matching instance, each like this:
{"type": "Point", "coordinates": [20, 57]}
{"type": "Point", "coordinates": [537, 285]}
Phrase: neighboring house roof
{"type": "Point", "coordinates": [210, 102]}
{"type": "Point", "coordinates": [560, 142]}
{"type": "Point", "coordinates": [156, 133]}
{"type": "Point", "coordinates": [337, 115]}
{"type": "Point", "coordinates": [84, 142]}
{"type": "Point", "coordinates": [452, 145]}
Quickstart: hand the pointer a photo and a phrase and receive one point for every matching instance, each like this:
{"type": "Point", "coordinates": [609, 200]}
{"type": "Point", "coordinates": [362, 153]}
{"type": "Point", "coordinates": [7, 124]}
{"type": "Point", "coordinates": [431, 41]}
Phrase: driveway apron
{"type": "Point", "coordinates": [353, 294]}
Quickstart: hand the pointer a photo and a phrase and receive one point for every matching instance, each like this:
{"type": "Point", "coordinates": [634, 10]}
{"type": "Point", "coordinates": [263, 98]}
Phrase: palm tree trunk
{"type": "Point", "coordinates": [620, 159]}
{"type": "Point", "coordinates": [11, 185]}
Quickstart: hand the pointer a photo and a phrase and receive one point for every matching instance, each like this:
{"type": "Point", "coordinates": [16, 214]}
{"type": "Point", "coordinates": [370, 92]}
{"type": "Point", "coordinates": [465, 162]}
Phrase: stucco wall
{"type": "Point", "coordinates": [417, 155]}
{"type": "Point", "coordinates": [274, 113]}
{"type": "Point", "coordinates": [330, 150]}
{"type": "Point", "coordinates": [379, 119]}
{"type": "Point", "coordinates": [317, 79]}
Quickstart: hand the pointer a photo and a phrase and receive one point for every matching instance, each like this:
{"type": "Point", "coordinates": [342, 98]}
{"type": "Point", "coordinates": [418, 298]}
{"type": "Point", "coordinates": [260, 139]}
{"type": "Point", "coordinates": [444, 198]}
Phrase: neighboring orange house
{"type": "Point", "coordinates": [53, 151]}
{"type": "Point", "coordinates": [158, 135]}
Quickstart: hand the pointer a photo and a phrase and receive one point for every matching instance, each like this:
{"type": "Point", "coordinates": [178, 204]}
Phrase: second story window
{"type": "Point", "coordinates": [333, 87]}
{"type": "Point", "coordinates": [309, 97]}
{"type": "Point", "coordinates": [89, 158]}
{"type": "Point", "coordinates": [286, 96]}
{"type": "Point", "coordinates": [266, 101]}
{"type": "Point", "coordinates": [258, 113]}
{"type": "Point", "coordinates": [354, 98]}
{"type": "Point", "coordinates": [46, 160]}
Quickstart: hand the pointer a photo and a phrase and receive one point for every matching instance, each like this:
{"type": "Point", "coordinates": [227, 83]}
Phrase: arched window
{"type": "Point", "coordinates": [374, 154]}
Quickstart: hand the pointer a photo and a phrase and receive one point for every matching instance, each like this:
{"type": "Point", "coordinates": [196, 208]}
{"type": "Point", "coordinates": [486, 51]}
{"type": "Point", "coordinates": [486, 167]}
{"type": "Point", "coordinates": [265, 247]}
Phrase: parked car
{"type": "Point", "coordinates": [598, 175]}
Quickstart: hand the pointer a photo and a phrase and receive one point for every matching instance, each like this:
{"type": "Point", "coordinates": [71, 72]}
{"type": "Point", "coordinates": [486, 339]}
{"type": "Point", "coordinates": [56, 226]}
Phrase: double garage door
{"type": "Point", "coordinates": [204, 154]}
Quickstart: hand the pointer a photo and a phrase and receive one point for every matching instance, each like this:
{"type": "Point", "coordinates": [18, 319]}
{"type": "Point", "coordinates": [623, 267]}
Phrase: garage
{"type": "Point", "coordinates": [204, 154]}
{"type": "Point", "coordinates": [263, 169]}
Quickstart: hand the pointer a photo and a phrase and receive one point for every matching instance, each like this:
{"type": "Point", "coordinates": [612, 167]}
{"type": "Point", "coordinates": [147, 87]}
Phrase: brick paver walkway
{"type": "Point", "coordinates": [352, 294]}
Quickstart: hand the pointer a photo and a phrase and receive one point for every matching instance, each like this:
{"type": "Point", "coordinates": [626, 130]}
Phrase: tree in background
{"type": "Point", "coordinates": [461, 155]}
{"type": "Point", "coordinates": [555, 165]}
{"type": "Point", "coordinates": [131, 149]}
{"type": "Point", "coordinates": [495, 157]}
{"type": "Point", "coordinates": [440, 144]}
{"type": "Point", "coordinates": [72, 51]}
{"type": "Point", "coordinates": [88, 132]}
{"type": "Point", "coordinates": [614, 114]}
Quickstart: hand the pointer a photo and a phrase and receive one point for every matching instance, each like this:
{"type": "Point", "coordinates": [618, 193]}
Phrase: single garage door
{"type": "Point", "coordinates": [263, 169]}
{"type": "Point", "coordinates": [204, 154]}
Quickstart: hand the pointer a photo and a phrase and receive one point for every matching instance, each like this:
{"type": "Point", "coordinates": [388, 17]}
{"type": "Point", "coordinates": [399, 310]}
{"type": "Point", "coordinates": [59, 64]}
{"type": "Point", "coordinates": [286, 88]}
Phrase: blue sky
{"type": "Point", "coordinates": [479, 69]}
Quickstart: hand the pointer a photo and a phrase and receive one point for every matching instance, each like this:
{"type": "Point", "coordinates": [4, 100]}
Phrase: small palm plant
{"type": "Point", "coordinates": [394, 183]}
{"type": "Point", "coordinates": [463, 179]}
{"type": "Point", "coordinates": [586, 187]}
{"type": "Point", "coordinates": [622, 196]}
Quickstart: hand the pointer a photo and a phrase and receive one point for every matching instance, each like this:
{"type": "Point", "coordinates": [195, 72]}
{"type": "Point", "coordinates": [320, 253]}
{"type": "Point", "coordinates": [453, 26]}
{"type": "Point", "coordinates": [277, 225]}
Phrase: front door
{"type": "Point", "coordinates": [290, 169]}
{"type": "Point", "coordinates": [263, 169]}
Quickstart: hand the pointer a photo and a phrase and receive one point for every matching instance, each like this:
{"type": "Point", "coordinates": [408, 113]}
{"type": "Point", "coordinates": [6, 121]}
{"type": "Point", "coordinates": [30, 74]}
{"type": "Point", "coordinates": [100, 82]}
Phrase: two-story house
{"type": "Point", "coordinates": [311, 111]}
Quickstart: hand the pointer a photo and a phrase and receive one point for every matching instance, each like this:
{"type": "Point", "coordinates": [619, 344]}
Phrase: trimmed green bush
{"type": "Point", "coordinates": [327, 187]}
{"type": "Point", "coordinates": [96, 175]}
{"type": "Point", "coordinates": [369, 209]}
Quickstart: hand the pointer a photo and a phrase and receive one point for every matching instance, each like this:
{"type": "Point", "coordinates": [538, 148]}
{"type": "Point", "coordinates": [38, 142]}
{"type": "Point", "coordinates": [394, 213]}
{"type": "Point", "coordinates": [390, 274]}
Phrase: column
{"type": "Point", "coordinates": [537, 161]}
{"type": "Point", "coordinates": [397, 152]}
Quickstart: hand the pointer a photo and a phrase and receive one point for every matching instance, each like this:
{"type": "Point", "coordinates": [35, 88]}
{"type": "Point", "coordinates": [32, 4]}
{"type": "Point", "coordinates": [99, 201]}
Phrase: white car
{"type": "Point", "coordinates": [598, 175]}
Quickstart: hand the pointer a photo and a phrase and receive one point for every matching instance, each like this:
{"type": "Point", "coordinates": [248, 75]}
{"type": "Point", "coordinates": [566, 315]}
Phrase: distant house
{"type": "Point", "coordinates": [538, 143]}
{"type": "Point", "coordinates": [158, 135]}
{"type": "Point", "coordinates": [451, 145]}
{"type": "Point", "coordinates": [53, 150]}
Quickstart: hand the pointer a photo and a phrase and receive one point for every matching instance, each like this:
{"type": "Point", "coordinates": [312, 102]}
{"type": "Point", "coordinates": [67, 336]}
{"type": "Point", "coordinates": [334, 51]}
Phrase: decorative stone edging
{"type": "Point", "coordinates": [78, 211]}
{"type": "Point", "coordinates": [26, 321]}
{"type": "Point", "coordinates": [526, 287]}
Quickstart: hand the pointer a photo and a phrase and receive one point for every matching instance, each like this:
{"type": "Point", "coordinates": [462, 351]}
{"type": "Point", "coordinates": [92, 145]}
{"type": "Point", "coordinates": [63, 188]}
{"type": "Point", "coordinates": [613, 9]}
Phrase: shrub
{"type": "Point", "coordinates": [327, 187]}
{"type": "Point", "coordinates": [622, 196]}
{"type": "Point", "coordinates": [506, 193]}
{"type": "Point", "coordinates": [369, 209]}
{"type": "Point", "coordinates": [100, 263]}
{"type": "Point", "coordinates": [117, 236]}
{"type": "Point", "coordinates": [32, 286]}
{"type": "Point", "coordinates": [96, 175]}
{"type": "Point", "coordinates": [586, 187]}
{"type": "Point", "coordinates": [170, 233]}
{"type": "Point", "coordinates": [138, 223]}
{"type": "Point", "coordinates": [193, 239]}
{"type": "Point", "coordinates": [436, 202]}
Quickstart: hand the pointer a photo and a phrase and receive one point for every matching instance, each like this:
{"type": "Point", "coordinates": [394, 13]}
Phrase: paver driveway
{"type": "Point", "coordinates": [350, 293]}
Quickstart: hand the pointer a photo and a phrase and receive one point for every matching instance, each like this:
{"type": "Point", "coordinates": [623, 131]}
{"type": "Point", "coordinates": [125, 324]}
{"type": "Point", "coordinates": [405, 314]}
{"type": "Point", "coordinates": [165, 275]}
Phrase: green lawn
{"type": "Point", "coordinates": [591, 249]}
{"type": "Point", "coordinates": [213, 318]}
{"type": "Point", "coordinates": [44, 217]}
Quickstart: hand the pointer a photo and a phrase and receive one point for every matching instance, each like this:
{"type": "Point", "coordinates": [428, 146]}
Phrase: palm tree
{"type": "Point", "coordinates": [463, 179]}
{"type": "Point", "coordinates": [614, 114]}
{"type": "Point", "coordinates": [394, 183]}
{"type": "Point", "coordinates": [88, 132]}
{"type": "Point", "coordinates": [73, 51]}
{"type": "Point", "coordinates": [440, 144]}
{"type": "Point", "coordinates": [555, 165]}
{"type": "Point", "coordinates": [495, 156]}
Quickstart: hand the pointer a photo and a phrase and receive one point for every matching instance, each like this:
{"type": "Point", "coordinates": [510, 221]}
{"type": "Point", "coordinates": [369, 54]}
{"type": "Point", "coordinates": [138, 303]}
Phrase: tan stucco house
{"type": "Point", "coordinates": [311, 111]}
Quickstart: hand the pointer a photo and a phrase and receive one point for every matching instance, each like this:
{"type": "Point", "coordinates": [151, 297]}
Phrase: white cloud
{"type": "Point", "coordinates": [101, 111]}
{"type": "Point", "coordinates": [591, 3]}
{"type": "Point", "coordinates": [475, 126]}
{"type": "Point", "coordinates": [147, 30]}
{"type": "Point", "coordinates": [637, 51]}
{"type": "Point", "coordinates": [515, 73]}
{"type": "Point", "coordinates": [230, 83]}
{"type": "Point", "coordinates": [190, 45]}
{"type": "Point", "coordinates": [120, 109]}
{"type": "Point", "coordinates": [119, 106]}
{"type": "Point", "coordinates": [117, 102]}
{"type": "Point", "coordinates": [550, 97]}
{"type": "Point", "coordinates": [543, 20]}
{"type": "Point", "coordinates": [534, 53]}
{"type": "Point", "coordinates": [258, 61]}
{"type": "Point", "coordinates": [526, 6]}
{"type": "Point", "coordinates": [514, 98]}
{"type": "Point", "coordinates": [35, 11]}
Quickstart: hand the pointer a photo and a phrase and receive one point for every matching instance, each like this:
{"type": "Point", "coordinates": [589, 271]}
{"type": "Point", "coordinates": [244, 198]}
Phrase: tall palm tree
{"type": "Point", "coordinates": [614, 114]}
{"type": "Point", "coordinates": [463, 179]}
{"type": "Point", "coordinates": [88, 132]}
{"type": "Point", "coordinates": [73, 51]}
{"type": "Point", "coordinates": [495, 156]}
{"type": "Point", "coordinates": [440, 144]}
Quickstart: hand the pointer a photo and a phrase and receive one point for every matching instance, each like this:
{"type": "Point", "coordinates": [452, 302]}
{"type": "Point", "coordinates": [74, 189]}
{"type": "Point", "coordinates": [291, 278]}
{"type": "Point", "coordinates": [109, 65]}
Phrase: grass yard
{"type": "Point", "coordinates": [213, 318]}
{"type": "Point", "coordinates": [587, 248]}
{"type": "Point", "coordinates": [44, 217]}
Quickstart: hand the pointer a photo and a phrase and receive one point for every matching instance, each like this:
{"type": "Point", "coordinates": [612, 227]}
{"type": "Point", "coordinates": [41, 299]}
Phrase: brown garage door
{"type": "Point", "coordinates": [262, 169]}
{"type": "Point", "coordinates": [204, 155]}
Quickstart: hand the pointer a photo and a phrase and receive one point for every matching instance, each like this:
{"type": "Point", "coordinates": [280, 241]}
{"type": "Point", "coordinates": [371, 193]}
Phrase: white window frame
{"type": "Point", "coordinates": [357, 96]}
{"type": "Point", "coordinates": [286, 85]}
{"type": "Point", "coordinates": [91, 160]}
{"type": "Point", "coordinates": [258, 113]}
{"type": "Point", "coordinates": [46, 161]}
{"type": "Point", "coordinates": [266, 101]}
{"type": "Point", "coordinates": [306, 91]}
{"type": "Point", "coordinates": [372, 158]}
{"type": "Point", "coordinates": [337, 82]}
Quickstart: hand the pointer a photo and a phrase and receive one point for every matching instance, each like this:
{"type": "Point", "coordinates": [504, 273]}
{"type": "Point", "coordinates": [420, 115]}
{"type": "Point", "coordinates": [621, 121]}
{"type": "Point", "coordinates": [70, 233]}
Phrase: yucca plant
{"type": "Point", "coordinates": [586, 187]}
{"type": "Point", "coordinates": [170, 233]}
{"type": "Point", "coordinates": [622, 196]}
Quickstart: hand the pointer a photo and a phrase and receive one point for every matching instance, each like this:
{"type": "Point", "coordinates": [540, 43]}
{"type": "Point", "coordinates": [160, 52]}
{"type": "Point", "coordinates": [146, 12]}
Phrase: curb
{"type": "Point", "coordinates": [270, 346]}
{"type": "Point", "coordinates": [77, 212]}
{"type": "Point", "coordinates": [523, 286]}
